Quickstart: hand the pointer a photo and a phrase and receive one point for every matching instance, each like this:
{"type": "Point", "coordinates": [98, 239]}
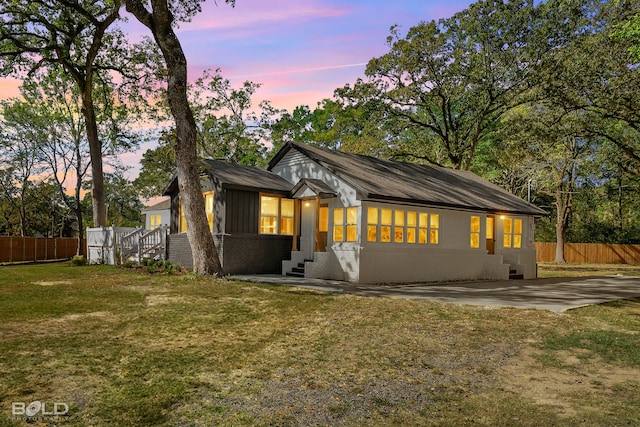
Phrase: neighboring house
{"type": "Point", "coordinates": [328, 214]}
{"type": "Point", "coordinates": [157, 215]}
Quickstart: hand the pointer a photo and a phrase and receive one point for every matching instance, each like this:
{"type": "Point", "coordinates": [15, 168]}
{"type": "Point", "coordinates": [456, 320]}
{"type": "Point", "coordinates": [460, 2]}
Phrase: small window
{"type": "Point", "coordinates": [286, 216]}
{"type": "Point", "coordinates": [323, 227]}
{"type": "Point", "coordinates": [372, 225]}
{"type": "Point", "coordinates": [386, 219]}
{"type": "Point", "coordinates": [352, 224]}
{"type": "Point", "coordinates": [434, 229]}
{"type": "Point", "coordinates": [411, 227]}
{"type": "Point", "coordinates": [398, 226]}
{"type": "Point", "coordinates": [338, 225]}
{"type": "Point", "coordinates": [475, 232]}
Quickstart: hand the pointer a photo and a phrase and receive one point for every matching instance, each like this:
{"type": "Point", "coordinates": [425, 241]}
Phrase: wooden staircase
{"type": "Point", "coordinates": [142, 243]}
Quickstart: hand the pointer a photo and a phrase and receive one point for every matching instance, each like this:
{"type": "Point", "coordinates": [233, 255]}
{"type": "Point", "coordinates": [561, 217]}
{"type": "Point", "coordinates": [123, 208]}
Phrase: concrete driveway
{"type": "Point", "coordinates": [554, 294]}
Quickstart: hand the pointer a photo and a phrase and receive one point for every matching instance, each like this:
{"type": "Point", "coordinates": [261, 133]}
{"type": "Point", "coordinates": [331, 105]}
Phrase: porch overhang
{"type": "Point", "coordinates": [308, 187]}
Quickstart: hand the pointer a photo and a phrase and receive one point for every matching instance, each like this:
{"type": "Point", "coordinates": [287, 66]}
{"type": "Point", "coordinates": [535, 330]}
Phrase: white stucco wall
{"type": "Point", "coordinates": [451, 259]}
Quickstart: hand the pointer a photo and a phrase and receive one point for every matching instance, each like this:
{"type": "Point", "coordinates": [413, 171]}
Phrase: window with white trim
{"type": "Point", "coordinates": [276, 215]}
{"type": "Point", "coordinates": [400, 226]}
{"type": "Point", "coordinates": [512, 233]}
{"type": "Point", "coordinates": [474, 232]}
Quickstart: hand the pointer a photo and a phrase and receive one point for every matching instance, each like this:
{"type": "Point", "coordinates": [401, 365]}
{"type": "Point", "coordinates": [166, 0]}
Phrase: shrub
{"type": "Point", "coordinates": [78, 260]}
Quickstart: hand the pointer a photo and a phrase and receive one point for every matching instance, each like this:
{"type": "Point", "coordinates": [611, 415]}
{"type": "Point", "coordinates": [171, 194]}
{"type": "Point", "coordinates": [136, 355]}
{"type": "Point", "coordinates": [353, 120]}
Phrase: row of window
{"type": "Point", "coordinates": [277, 216]}
{"type": "Point", "coordinates": [399, 226]}
{"type": "Point", "coordinates": [512, 237]}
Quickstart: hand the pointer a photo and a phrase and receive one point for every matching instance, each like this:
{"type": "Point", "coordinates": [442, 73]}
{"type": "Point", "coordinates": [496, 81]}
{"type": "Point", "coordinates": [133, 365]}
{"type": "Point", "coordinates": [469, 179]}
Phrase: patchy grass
{"type": "Point", "coordinates": [547, 269]}
{"type": "Point", "coordinates": [125, 348]}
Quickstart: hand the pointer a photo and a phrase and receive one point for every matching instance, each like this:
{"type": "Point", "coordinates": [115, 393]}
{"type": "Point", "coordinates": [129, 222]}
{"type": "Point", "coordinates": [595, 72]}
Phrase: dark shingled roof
{"type": "Point", "coordinates": [387, 180]}
{"type": "Point", "coordinates": [236, 176]}
{"type": "Point", "coordinates": [240, 177]}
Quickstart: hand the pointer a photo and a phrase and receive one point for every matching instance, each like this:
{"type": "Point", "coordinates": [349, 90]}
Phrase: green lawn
{"type": "Point", "coordinates": [127, 348]}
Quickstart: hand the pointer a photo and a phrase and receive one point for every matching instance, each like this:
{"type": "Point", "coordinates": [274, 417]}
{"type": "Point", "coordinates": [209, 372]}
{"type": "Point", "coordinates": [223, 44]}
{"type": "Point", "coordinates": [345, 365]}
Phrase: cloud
{"type": "Point", "coordinates": [256, 14]}
{"type": "Point", "coordinates": [298, 71]}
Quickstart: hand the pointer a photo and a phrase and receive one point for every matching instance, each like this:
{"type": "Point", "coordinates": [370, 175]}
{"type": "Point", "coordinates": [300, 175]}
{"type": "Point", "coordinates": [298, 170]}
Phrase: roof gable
{"type": "Point", "coordinates": [378, 179]}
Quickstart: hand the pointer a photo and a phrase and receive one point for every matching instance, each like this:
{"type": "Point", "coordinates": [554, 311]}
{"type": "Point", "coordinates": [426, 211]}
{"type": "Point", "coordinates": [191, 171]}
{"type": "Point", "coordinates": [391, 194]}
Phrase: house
{"type": "Point", "coordinates": [157, 214]}
{"type": "Point", "coordinates": [327, 214]}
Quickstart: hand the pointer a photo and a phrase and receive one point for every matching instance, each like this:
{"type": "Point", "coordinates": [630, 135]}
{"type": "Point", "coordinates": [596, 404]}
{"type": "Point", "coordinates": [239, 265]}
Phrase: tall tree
{"type": "Point", "coordinates": [19, 146]}
{"type": "Point", "coordinates": [160, 16]}
{"type": "Point", "coordinates": [448, 83]}
{"type": "Point", "coordinates": [549, 146]}
{"type": "Point", "coordinates": [73, 35]}
{"type": "Point", "coordinates": [65, 33]}
{"type": "Point", "coordinates": [228, 127]}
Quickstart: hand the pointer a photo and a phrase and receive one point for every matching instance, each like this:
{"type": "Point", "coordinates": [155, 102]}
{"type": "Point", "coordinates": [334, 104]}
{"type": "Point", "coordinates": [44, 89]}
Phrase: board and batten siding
{"type": "Point", "coordinates": [243, 211]}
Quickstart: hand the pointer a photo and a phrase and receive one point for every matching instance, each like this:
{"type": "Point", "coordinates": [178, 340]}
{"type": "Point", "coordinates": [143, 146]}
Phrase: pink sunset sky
{"type": "Point", "coordinates": [298, 50]}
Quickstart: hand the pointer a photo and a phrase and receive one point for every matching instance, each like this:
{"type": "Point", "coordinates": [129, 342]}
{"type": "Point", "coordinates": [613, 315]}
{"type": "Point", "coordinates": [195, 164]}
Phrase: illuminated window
{"type": "Point", "coordinates": [155, 221]}
{"type": "Point", "coordinates": [323, 226]}
{"type": "Point", "coordinates": [276, 215]}
{"type": "Point", "coordinates": [286, 216]}
{"type": "Point", "coordinates": [398, 226]}
{"type": "Point", "coordinates": [338, 225]}
{"type": "Point", "coordinates": [428, 228]}
{"type": "Point", "coordinates": [372, 225]}
{"type": "Point", "coordinates": [386, 219]}
{"type": "Point", "coordinates": [352, 224]}
{"type": "Point", "coordinates": [490, 225]}
{"type": "Point", "coordinates": [434, 229]}
{"type": "Point", "coordinates": [475, 232]}
{"type": "Point", "coordinates": [411, 227]}
{"type": "Point", "coordinates": [512, 233]}
{"type": "Point", "coordinates": [208, 205]}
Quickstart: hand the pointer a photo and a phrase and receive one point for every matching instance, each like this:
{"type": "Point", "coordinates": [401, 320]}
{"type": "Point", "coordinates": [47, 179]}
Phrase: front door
{"type": "Point", "coordinates": [491, 234]}
{"type": "Point", "coordinates": [308, 228]}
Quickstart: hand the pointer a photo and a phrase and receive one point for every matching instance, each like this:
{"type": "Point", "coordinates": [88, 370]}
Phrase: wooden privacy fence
{"type": "Point", "coordinates": [18, 249]}
{"type": "Point", "coordinates": [598, 253]}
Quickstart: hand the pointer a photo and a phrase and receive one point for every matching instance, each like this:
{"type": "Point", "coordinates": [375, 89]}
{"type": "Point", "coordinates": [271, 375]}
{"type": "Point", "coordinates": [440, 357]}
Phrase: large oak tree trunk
{"type": "Point", "coordinates": [159, 20]}
{"type": "Point", "coordinates": [95, 150]}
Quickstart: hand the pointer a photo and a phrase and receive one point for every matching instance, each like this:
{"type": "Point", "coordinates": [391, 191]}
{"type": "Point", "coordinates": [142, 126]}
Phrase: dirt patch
{"type": "Point", "coordinates": [52, 283]}
{"type": "Point", "coordinates": [558, 386]}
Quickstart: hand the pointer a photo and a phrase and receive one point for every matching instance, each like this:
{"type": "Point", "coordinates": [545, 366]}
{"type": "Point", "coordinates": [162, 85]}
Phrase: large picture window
{"type": "Point", "coordinates": [276, 215]}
